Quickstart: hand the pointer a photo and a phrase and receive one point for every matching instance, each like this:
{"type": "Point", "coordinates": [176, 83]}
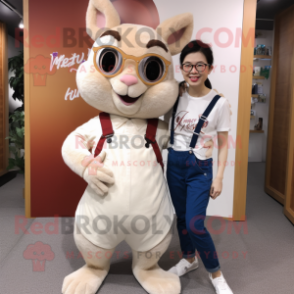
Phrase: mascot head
{"type": "Point", "coordinates": [129, 71]}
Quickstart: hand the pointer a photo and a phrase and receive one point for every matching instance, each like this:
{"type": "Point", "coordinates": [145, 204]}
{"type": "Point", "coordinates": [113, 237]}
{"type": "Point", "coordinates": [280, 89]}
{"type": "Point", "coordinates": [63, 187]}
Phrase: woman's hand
{"type": "Point", "coordinates": [216, 188]}
{"type": "Point", "coordinates": [217, 185]}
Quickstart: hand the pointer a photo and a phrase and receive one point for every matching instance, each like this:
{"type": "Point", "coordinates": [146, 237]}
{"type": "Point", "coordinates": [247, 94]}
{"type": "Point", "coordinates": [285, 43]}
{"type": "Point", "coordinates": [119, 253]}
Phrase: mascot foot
{"type": "Point", "coordinates": [158, 281]}
{"type": "Point", "coordinates": [85, 280]}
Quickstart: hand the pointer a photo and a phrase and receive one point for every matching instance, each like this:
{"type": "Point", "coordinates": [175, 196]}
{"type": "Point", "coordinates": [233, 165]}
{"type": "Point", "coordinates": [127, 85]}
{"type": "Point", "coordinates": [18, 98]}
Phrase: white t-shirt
{"type": "Point", "coordinates": [189, 111]}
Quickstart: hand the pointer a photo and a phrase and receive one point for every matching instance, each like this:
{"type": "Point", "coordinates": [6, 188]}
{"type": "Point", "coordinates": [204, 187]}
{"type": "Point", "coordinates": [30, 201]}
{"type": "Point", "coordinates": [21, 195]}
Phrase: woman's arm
{"type": "Point", "coordinates": [217, 185]}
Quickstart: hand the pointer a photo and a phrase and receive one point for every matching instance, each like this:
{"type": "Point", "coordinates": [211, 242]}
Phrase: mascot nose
{"type": "Point", "coordinates": [129, 80]}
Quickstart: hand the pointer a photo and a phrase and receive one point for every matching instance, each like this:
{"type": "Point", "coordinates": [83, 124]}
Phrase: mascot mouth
{"type": "Point", "coordinates": [127, 100]}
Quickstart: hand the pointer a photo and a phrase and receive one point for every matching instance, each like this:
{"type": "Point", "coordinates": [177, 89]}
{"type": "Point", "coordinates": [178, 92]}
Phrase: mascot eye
{"type": "Point", "coordinates": [109, 61]}
{"type": "Point", "coordinates": [151, 69]}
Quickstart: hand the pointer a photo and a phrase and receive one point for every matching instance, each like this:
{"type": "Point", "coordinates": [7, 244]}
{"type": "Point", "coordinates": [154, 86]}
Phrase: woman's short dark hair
{"type": "Point", "coordinates": [198, 46]}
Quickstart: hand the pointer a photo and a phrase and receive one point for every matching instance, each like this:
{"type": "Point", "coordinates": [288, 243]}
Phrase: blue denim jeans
{"type": "Point", "coordinates": [189, 180]}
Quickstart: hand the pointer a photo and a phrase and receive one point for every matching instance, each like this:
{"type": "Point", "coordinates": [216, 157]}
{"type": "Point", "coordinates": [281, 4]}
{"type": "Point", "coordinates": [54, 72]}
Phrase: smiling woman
{"type": "Point", "coordinates": [198, 116]}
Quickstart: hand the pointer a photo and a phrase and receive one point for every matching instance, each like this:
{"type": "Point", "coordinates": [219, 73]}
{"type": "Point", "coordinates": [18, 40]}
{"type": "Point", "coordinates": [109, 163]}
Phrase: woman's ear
{"type": "Point", "coordinates": [176, 32]}
{"type": "Point", "coordinates": [101, 15]}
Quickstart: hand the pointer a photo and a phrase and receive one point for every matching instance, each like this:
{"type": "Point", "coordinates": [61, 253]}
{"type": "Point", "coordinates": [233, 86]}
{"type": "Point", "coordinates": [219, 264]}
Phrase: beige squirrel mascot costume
{"type": "Point", "coordinates": [129, 77]}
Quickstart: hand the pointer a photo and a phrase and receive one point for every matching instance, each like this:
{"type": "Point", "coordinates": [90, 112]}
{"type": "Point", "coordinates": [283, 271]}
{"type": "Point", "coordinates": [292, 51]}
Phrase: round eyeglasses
{"type": "Point", "coordinates": [151, 68]}
{"type": "Point", "coordinates": [199, 66]}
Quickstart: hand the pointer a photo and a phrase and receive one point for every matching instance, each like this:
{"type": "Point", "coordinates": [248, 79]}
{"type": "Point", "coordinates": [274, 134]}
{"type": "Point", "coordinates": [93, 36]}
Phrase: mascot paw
{"type": "Point", "coordinates": [158, 281]}
{"type": "Point", "coordinates": [85, 280]}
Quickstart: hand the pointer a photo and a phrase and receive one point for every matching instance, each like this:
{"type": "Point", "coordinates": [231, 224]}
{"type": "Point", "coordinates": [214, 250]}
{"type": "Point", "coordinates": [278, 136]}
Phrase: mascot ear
{"type": "Point", "coordinates": [101, 15]}
{"type": "Point", "coordinates": [177, 31]}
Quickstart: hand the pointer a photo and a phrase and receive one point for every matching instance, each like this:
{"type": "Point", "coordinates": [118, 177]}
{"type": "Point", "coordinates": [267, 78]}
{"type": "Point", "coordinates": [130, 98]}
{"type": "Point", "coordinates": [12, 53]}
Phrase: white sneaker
{"type": "Point", "coordinates": [183, 267]}
{"type": "Point", "coordinates": [220, 284]}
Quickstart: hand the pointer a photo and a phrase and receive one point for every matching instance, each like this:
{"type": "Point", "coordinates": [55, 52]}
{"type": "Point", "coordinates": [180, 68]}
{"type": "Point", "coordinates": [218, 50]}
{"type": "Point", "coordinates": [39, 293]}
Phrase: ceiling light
{"type": "Point", "coordinates": [21, 24]}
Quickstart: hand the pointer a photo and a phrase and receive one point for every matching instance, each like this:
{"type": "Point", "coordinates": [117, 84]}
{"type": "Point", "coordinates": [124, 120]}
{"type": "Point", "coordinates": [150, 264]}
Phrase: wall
{"type": "Point", "coordinates": [258, 141]}
{"type": "Point", "coordinates": [223, 29]}
{"type": "Point", "coordinates": [3, 101]}
{"type": "Point", "coordinates": [225, 78]}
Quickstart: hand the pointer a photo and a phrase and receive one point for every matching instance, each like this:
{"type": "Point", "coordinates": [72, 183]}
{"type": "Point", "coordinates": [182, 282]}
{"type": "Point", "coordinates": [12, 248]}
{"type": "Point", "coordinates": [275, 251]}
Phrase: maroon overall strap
{"type": "Point", "coordinates": [107, 131]}
{"type": "Point", "coordinates": [151, 139]}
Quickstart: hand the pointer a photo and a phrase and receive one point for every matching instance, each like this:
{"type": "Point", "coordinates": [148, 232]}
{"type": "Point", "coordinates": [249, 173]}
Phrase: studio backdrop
{"type": "Point", "coordinates": [56, 42]}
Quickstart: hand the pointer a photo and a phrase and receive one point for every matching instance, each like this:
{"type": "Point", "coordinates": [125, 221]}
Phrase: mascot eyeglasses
{"type": "Point", "coordinates": [151, 68]}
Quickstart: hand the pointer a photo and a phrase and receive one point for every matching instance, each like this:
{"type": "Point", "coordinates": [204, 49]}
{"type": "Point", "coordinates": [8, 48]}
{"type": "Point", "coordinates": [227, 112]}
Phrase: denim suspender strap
{"type": "Point", "coordinates": [173, 121]}
{"type": "Point", "coordinates": [201, 121]}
